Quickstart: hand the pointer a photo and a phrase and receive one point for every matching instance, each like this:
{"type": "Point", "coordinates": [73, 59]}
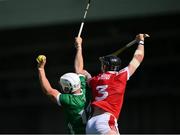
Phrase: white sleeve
{"type": "Point", "coordinates": [128, 75]}
{"type": "Point", "coordinates": [57, 98]}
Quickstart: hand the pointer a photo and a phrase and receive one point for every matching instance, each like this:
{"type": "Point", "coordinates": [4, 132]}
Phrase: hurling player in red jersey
{"type": "Point", "coordinates": [108, 90]}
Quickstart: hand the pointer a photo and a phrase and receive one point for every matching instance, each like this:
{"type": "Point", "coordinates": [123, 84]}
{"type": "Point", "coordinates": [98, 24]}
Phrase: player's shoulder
{"type": "Point", "coordinates": [124, 73]}
{"type": "Point", "coordinates": [124, 70]}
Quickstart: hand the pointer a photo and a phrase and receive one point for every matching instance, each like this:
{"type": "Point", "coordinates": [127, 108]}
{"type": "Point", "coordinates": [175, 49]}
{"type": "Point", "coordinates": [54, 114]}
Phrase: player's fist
{"type": "Point", "coordinates": [78, 42]}
{"type": "Point", "coordinates": [41, 58]}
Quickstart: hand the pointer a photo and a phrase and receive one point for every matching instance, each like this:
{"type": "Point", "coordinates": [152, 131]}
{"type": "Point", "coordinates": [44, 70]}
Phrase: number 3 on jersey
{"type": "Point", "coordinates": [101, 90]}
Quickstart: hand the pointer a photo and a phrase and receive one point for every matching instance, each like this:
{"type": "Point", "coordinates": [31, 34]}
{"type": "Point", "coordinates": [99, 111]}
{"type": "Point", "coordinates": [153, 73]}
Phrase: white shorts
{"type": "Point", "coordinates": [101, 124]}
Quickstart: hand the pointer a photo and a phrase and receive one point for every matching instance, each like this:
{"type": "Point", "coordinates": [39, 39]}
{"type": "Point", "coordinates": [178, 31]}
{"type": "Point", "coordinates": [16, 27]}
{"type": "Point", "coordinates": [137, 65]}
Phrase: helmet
{"type": "Point", "coordinates": [111, 62]}
{"type": "Point", "coordinates": [70, 82]}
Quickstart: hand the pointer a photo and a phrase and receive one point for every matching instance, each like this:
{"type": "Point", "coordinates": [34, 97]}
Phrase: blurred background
{"type": "Point", "coordinates": [32, 27]}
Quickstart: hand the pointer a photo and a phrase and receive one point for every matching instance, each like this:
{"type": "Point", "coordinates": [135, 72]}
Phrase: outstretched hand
{"type": "Point", "coordinates": [141, 37]}
{"type": "Point", "coordinates": [41, 60]}
{"type": "Point", "coordinates": [78, 42]}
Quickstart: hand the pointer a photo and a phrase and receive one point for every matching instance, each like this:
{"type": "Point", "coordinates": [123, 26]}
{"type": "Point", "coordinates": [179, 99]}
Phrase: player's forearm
{"type": "Point", "coordinates": [78, 63]}
{"type": "Point", "coordinates": [137, 59]}
{"type": "Point", "coordinates": [45, 85]}
{"type": "Point", "coordinates": [139, 53]}
{"type": "Point", "coordinates": [138, 56]}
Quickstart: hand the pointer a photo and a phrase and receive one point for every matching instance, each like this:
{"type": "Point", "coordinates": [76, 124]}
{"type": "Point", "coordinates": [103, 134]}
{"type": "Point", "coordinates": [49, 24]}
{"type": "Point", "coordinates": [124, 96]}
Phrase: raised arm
{"type": "Point", "coordinates": [78, 62]}
{"type": "Point", "coordinates": [138, 55]}
{"type": "Point", "coordinates": [45, 85]}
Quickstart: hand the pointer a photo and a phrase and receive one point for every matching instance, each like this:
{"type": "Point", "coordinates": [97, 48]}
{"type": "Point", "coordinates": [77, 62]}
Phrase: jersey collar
{"type": "Point", "coordinates": [112, 72]}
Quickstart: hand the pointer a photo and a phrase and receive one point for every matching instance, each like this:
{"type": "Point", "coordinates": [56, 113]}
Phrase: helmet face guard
{"type": "Point", "coordinates": [110, 63]}
{"type": "Point", "coordinates": [66, 86]}
{"type": "Point", "coordinates": [70, 82]}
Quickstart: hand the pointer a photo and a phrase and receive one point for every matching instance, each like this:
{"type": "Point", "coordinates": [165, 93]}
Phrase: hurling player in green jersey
{"type": "Point", "coordinates": [75, 97]}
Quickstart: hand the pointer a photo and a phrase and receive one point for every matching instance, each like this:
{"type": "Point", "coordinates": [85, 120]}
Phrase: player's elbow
{"type": "Point", "coordinates": [50, 91]}
{"type": "Point", "coordinates": [47, 91]}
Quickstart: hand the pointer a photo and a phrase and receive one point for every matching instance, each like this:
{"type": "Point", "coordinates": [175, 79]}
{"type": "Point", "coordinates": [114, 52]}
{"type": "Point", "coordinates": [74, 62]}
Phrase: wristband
{"type": "Point", "coordinates": [141, 42]}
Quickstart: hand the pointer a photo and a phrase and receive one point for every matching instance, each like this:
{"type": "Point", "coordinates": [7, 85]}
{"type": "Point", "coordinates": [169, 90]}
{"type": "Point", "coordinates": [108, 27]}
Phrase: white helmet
{"type": "Point", "coordinates": [70, 82]}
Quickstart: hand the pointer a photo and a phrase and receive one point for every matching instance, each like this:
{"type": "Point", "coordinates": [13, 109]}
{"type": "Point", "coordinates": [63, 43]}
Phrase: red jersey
{"type": "Point", "coordinates": [108, 90]}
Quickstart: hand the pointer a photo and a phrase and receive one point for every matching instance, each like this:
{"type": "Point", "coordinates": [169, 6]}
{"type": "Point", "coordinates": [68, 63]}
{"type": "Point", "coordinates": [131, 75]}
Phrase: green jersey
{"type": "Point", "coordinates": [74, 106]}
